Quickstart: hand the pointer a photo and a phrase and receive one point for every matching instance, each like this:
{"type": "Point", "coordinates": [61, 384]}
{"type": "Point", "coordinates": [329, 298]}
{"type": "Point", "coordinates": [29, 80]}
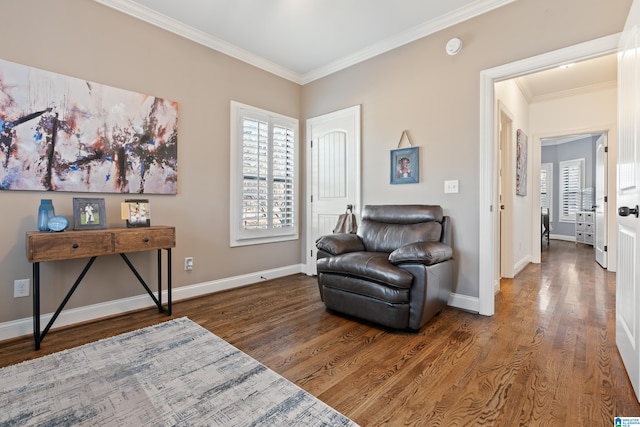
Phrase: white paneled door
{"type": "Point", "coordinates": [600, 202]}
{"type": "Point", "coordinates": [333, 173]}
{"type": "Point", "coordinates": [628, 192]}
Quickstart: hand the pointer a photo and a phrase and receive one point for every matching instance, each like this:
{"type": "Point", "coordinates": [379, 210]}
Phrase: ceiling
{"type": "Point", "coordinates": [303, 40]}
{"type": "Point", "coordinates": [583, 76]}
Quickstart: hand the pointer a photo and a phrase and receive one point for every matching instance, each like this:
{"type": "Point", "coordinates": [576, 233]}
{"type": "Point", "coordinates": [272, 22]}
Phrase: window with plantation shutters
{"type": "Point", "coordinates": [263, 176]}
{"type": "Point", "coordinates": [546, 187]}
{"type": "Point", "coordinates": [571, 183]}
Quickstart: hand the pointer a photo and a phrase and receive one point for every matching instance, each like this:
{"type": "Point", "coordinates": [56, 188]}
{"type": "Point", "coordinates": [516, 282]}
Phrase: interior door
{"type": "Point", "coordinates": [600, 203]}
{"type": "Point", "coordinates": [506, 190]}
{"type": "Point", "coordinates": [628, 196]}
{"type": "Point", "coordinates": [334, 173]}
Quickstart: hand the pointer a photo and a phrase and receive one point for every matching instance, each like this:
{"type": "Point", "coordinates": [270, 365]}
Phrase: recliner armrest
{"type": "Point", "coordinates": [427, 253]}
{"type": "Point", "coordinates": [340, 243]}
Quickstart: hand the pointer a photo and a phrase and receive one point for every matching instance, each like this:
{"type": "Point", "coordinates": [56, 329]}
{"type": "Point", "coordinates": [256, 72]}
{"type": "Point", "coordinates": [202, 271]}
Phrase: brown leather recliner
{"type": "Point", "coordinates": [397, 270]}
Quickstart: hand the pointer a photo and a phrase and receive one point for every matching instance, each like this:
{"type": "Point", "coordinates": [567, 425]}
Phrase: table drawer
{"type": "Point", "coordinates": [144, 239]}
{"type": "Point", "coordinates": [67, 245]}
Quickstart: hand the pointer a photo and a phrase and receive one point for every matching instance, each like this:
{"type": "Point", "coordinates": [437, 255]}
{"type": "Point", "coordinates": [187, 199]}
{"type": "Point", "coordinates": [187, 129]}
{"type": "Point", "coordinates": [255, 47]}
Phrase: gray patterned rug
{"type": "Point", "coordinates": [172, 374]}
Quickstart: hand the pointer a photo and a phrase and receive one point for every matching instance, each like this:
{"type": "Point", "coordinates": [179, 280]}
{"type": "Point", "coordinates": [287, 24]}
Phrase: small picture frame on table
{"type": "Point", "coordinates": [89, 214]}
{"type": "Point", "coordinates": [136, 212]}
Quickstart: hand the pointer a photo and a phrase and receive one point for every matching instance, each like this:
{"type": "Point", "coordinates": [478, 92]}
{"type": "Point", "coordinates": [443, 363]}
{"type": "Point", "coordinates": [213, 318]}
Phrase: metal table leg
{"type": "Point", "coordinates": [36, 304]}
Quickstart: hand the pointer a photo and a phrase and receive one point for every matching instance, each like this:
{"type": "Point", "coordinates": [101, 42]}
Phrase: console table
{"type": "Point", "coordinates": [43, 246]}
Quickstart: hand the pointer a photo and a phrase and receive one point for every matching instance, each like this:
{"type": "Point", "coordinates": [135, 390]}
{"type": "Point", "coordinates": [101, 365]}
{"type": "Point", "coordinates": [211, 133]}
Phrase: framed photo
{"type": "Point", "coordinates": [89, 214]}
{"type": "Point", "coordinates": [136, 212]}
{"type": "Point", "coordinates": [405, 166]}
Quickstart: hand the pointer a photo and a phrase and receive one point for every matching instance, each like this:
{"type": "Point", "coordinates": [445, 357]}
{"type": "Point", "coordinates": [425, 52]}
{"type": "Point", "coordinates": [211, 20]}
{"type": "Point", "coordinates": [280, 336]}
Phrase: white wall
{"type": "Point", "coordinates": [519, 242]}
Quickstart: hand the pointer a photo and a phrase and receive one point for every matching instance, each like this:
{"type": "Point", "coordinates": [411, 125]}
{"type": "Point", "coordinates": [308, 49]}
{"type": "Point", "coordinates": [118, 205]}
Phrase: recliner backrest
{"type": "Point", "coordinates": [385, 228]}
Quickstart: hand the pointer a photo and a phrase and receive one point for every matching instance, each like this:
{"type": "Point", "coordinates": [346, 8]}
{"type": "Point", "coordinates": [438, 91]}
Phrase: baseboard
{"type": "Point", "coordinates": [20, 327]}
{"type": "Point", "coordinates": [562, 237]}
{"type": "Point", "coordinates": [521, 265]}
{"type": "Point", "coordinates": [235, 282]}
{"type": "Point", "coordinates": [464, 302]}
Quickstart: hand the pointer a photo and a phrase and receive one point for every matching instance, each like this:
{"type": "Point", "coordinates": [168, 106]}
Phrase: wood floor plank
{"type": "Point", "coordinates": [546, 358]}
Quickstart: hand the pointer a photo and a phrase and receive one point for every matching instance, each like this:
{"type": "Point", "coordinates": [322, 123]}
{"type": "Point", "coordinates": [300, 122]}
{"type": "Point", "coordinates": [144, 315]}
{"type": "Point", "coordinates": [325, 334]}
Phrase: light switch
{"type": "Point", "coordinates": [451, 186]}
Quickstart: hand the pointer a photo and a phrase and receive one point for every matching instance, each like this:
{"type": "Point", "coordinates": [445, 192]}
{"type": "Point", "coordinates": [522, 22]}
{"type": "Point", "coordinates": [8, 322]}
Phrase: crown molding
{"type": "Point", "coordinates": [174, 26]}
{"type": "Point", "coordinates": [450, 19]}
{"type": "Point", "coordinates": [154, 18]}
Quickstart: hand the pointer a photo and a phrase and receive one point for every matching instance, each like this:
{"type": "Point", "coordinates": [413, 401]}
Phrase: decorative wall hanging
{"type": "Point", "coordinates": [405, 166]}
{"type": "Point", "coordinates": [521, 163]}
{"type": "Point", "coordinates": [60, 133]}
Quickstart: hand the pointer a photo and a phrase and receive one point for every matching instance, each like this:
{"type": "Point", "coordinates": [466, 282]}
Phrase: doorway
{"type": "Point", "coordinates": [578, 191]}
{"type": "Point", "coordinates": [488, 212]}
{"type": "Point", "coordinates": [505, 130]}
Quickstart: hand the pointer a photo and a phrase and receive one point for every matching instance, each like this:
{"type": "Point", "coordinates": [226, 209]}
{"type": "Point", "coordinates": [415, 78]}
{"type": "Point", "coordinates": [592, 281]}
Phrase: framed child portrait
{"type": "Point", "coordinates": [405, 166]}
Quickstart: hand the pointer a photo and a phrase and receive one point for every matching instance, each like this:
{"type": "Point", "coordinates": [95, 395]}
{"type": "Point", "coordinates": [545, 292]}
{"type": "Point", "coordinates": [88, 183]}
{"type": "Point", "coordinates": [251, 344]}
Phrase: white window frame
{"type": "Point", "coordinates": [548, 168]}
{"type": "Point", "coordinates": [570, 216]}
{"type": "Point", "coordinates": [239, 234]}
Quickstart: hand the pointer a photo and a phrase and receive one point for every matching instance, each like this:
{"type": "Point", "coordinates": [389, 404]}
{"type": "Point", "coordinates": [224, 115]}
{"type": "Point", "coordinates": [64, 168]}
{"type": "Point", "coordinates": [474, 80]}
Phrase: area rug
{"type": "Point", "coordinates": [172, 374]}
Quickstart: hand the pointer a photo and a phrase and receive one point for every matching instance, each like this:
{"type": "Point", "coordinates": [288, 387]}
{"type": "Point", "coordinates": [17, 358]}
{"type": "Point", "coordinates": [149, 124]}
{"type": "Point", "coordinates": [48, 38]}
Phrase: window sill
{"type": "Point", "coordinates": [262, 240]}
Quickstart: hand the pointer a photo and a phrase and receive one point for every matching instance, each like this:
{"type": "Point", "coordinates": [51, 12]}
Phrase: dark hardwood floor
{"type": "Point", "coordinates": [547, 358]}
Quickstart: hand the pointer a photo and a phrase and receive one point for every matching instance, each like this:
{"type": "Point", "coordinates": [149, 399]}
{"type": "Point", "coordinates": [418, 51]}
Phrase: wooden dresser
{"type": "Point", "coordinates": [44, 247]}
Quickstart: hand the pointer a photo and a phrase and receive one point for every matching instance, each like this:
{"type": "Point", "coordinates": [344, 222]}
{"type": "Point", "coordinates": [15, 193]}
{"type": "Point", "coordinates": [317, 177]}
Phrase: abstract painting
{"type": "Point", "coordinates": [59, 133]}
{"type": "Point", "coordinates": [521, 163]}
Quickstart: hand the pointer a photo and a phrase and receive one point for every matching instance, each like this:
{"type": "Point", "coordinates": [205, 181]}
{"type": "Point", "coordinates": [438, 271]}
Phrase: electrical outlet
{"type": "Point", "coordinates": [21, 288]}
{"type": "Point", "coordinates": [188, 263]}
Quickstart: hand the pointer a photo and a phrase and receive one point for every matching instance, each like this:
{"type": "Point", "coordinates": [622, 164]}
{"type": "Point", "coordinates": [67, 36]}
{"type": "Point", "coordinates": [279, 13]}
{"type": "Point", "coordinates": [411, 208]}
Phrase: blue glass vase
{"type": "Point", "coordinates": [45, 211]}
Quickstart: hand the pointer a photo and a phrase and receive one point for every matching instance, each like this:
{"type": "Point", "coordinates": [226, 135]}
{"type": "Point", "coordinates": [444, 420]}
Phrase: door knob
{"type": "Point", "coordinates": [625, 211]}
